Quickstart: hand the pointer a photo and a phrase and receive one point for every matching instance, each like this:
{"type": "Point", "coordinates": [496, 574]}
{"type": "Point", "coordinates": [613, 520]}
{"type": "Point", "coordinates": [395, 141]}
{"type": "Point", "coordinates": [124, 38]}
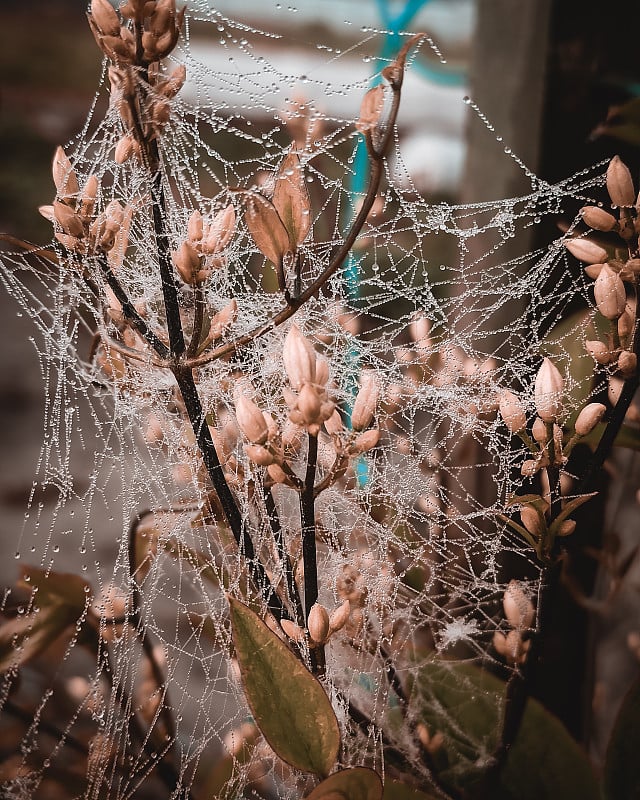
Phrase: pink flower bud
{"type": "Point", "coordinates": [548, 392]}
{"type": "Point", "coordinates": [599, 352]}
{"type": "Point", "coordinates": [620, 183]}
{"type": "Point", "coordinates": [251, 420]}
{"type": "Point", "coordinates": [318, 623]}
{"type": "Point", "coordinates": [610, 295]}
{"type": "Point", "coordinates": [512, 411]}
{"type": "Point", "coordinates": [259, 454]}
{"type": "Point", "coordinates": [339, 616]}
{"type": "Point", "coordinates": [299, 358]}
{"type": "Point", "coordinates": [586, 250]}
{"type": "Point", "coordinates": [598, 218]}
{"type": "Point", "coordinates": [518, 609]}
{"type": "Point", "coordinates": [531, 520]}
{"type": "Point", "coordinates": [589, 417]}
{"type": "Point", "coordinates": [627, 363]}
{"type": "Point", "coordinates": [365, 403]}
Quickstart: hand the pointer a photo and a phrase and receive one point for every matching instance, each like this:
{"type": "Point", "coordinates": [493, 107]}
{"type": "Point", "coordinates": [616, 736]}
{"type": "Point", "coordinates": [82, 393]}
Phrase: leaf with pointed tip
{"type": "Point", "coordinates": [266, 227]}
{"type": "Point", "coordinates": [291, 199]}
{"type": "Point", "coordinates": [288, 703]}
{"type": "Point", "coordinates": [356, 783]}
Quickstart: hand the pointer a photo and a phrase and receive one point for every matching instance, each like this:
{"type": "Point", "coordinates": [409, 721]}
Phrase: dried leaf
{"type": "Point", "coordinates": [288, 703]}
{"type": "Point", "coordinates": [291, 199]}
{"type": "Point", "coordinates": [371, 109]}
{"type": "Point", "coordinates": [266, 227]}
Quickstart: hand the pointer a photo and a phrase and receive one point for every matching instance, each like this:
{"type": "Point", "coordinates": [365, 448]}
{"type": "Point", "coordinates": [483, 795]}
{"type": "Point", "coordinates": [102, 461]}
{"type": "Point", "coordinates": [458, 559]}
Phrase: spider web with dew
{"type": "Point", "coordinates": [415, 524]}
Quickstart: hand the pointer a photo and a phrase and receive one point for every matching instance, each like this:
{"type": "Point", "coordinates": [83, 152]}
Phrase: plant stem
{"type": "Point", "coordinates": [309, 555]}
{"type": "Point", "coordinates": [186, 384]}
{"type": "Point", "coordinates": [616, 417]}
{"type": "Point", "coordinates": [198, 321]}
{"type": "Point", "coordinates": [130, 312]}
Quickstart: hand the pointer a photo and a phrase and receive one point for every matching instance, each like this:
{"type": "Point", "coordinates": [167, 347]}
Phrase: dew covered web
{"type": "Point", "coordinates": [415, 521]}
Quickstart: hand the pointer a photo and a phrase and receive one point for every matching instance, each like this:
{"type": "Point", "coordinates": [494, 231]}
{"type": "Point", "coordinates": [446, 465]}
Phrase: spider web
{"type": "Point", "coordinates": [417, 519]}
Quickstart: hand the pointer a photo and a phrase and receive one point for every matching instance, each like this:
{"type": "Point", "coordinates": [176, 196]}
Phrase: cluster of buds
{"type": "Point", "coordinates": [321, 625]}
{"type": "Point", "coordinates": [77, 227]}
{"type": "Point", "coordinates": [145, 114]}
{"type": "Point", "coordinates": [262, 431]}
{"type": "Point", "coordinates": [612, 268]}
{"type": "Point", "coordinates": [520, 614]}
{"type": "Point", "coordinates": [547, 443]}
{"type": "Point", "coordinates": [308, 375]}
{"type": "Point", "coordinates": [201, 251]}
{"type": "Point", "coordinates": [156, 28]}
{"type": "Point", "coordinates": [540, 524]}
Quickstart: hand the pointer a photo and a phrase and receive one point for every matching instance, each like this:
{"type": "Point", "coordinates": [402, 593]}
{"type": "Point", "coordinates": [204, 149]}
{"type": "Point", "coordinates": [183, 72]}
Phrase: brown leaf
{"type": "Point", "coordinates": [291, 199]}
{"type": "Point", "coordinates": [266, 227]}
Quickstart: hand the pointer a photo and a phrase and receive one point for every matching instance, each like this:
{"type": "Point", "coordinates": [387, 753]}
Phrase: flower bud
{"type": "Point", "coordinates": [195, 227]}
{"type": "Point", "coordinates": [365, 441]}
{"type": "Point", "coordinates": [598, 218]}
{"type": "Point", "coordinates": [251, 420]}
{"type": "Point", "coordinates": [105, 17]}
{"type": "Point", "coordinates": [334, 424]}
{"type": "Point", "coordinates": [187, 262]}
{"type": "Point", "coordinates": [293, 631]}
{"type": "Point", "coordinates": [626, 323]}
{"type": "Point", "coordinates": [299, 358]}
{"type": "Point", "coordinates": [586, 250]}
{"type": "Point", "coordinates": [620, 183]}
{"type": "Point", "coordinates": [593, 270]}
{"type": "Point", "coordinates": [589, 417]}
{"type": "Point", "coordinates": [548, 392]}
{"type": "Point", "coordinates": [599, 352]}
{"type": "Point", "coordinates": [529, 468]}
{"type": "Point", "coordinates": [318, 623]}
{"type": "Point", "coordinates": [277, 474]}
{"type": "Point", "coordinates": [627, 363]}
{"type": "Point", "coordinates": [512, 411]}
{"type": "Point", "coordinates": [370, 109]}
{"type": "Point", "coordinates": [419, 330]}
{"type": "Point", "coordinates": [220, 230]}
{"type": "Point", "coordinates": [539, 430]}
{"type": "Point", "coordinates": [518, 608]}
{"type": "Point", "coordinates": [531, 520]}
{"type": "Point", "coordinates": [259, 455]}
{"type": "Point", "coordinates": [223, 319]}
{"type": "Point", "coordinates": [68, 220]}
{"type": "Point", "coordinates": [365, 403]}
{"type": "Point", "coordinates": [338, 618]}
{"type": "Point", "coordinates": [309, 404]}
{"type": "Point", "coordinates": [610, 295]}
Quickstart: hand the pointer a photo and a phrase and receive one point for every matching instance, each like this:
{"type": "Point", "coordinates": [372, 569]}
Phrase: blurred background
{"type": "Point", "coordinates": [556, 80]}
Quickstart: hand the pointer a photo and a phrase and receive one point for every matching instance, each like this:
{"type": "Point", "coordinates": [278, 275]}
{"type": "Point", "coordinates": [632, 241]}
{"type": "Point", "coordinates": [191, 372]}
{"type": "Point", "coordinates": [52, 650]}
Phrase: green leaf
{"type": "Point", "coordinates": [394, 790]}
{"type": "Point", "coordinates": [288, 703]}
{"type": "Point", "coordinates": [622, 766]}
{"type": "Point", "coordinates": [357, 783]}
{"type": "Point", "coordinates": [466, 704]}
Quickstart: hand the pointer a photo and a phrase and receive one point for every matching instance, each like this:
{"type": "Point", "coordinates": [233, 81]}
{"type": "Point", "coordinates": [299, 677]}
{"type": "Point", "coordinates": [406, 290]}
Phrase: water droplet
{"type": "Point", "coordinates": [466, 99]}
{"type": "Point", "coordinates": [17, 554]}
